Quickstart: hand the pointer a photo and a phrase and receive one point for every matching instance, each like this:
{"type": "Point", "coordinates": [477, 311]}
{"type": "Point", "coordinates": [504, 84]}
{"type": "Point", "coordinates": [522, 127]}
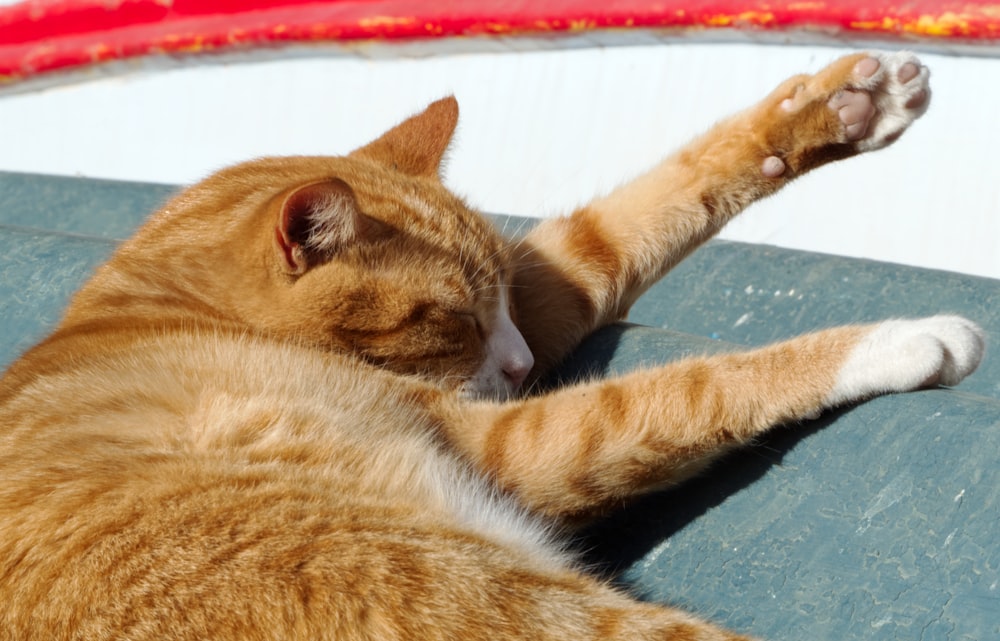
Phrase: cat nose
{"type": "Point", "coordinates": [517, 369]}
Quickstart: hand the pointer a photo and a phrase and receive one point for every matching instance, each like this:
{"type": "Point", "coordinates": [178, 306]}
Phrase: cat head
{"type": "Point", "coordinates": [367, 255]}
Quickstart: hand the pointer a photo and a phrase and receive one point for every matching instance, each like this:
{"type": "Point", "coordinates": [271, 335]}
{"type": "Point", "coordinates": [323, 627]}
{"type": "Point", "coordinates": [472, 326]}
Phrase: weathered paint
{"type": "Point", "coordinates": [38, 37]}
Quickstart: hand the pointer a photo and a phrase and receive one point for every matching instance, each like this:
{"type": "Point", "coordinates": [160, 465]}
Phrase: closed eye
{"type": "Point", "coordinates": [471, 319]}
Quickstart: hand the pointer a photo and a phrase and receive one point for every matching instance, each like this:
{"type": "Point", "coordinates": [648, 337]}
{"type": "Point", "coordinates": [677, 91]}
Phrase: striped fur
{"type": "Point", "coordinates": [287, 408]}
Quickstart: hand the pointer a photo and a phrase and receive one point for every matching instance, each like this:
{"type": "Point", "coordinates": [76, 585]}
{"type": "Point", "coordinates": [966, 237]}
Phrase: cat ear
{"type": "Point", "coordinates": [416, 145]}
{"type": "Point", "coordinates": [318, 219]}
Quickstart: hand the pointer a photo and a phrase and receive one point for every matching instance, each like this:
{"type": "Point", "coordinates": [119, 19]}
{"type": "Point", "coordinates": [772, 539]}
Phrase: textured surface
{"type": "Point", "coordinates": [875, 522]}
{"type": "Point", "coordinates": [755, 294]}
{"type": "Point", "coordinates": [100, 208]}
{"type": "Point", "coordinates": [38, 273]}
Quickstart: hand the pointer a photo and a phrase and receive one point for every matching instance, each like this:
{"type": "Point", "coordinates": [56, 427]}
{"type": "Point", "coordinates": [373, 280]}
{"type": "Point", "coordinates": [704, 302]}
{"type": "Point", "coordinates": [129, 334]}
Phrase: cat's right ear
{"type": "Point", "coordinates": [317, 220]}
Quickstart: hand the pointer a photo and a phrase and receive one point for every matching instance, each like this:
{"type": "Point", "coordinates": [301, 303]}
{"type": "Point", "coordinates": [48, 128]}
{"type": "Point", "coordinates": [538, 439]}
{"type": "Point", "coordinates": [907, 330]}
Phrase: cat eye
{"type": "Point", "coordinates": [471, 319]}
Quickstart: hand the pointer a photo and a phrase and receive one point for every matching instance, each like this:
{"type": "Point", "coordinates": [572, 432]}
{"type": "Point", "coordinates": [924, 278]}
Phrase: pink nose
{"type": "Point", "coordinates": [516, 370]}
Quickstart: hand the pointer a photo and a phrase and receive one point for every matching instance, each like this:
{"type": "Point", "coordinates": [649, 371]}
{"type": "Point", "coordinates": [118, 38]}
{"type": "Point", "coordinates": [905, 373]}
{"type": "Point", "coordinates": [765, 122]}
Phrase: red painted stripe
{"type": "Point", "coordinates": [47, 35]}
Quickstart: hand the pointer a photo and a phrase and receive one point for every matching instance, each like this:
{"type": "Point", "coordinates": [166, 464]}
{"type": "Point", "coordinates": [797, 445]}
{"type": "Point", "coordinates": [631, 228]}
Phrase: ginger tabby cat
{"type": "Point", "coordinates": [290, 407]}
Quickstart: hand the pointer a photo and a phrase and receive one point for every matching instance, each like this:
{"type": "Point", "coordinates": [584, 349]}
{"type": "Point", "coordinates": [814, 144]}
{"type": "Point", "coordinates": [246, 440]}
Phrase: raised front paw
{"type": "Point", "coordinates": [859, 103]}
{"type": "Point", "coordinates": [904, 355]}
{"type": "Point", "coordinates": [886, 92]}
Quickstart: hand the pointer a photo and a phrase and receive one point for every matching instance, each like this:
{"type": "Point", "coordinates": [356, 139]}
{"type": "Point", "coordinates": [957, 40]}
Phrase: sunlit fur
{"type": "Point", "coordinates": [288, 407]}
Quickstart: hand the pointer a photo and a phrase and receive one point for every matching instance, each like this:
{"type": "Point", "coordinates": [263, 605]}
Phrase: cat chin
{"type": "Point", "coordinates": [475, 390]}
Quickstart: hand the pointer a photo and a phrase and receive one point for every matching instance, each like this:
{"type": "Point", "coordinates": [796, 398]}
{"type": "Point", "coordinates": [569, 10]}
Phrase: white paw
{"type": "Point", "coordinates": [904, 355]}
{"type": "Point", "coordinates": [900, 91]}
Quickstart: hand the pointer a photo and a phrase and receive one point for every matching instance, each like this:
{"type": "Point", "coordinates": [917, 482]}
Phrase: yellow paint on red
{"type": "Point", "coordinates": [946, 25]}
{"type": "Point", "coordinates": [196, 46]}
{"type": "Point", "coordinates": [176, 43]}
{"type": "Point", "coordinates": [885, 24]}
{"type": "Point", "coordinates": [100, 52]}
{"type": "Point", "coordinates": [497, 27]}
{"type": "Point", "coordinates": [762, 18]}
{"type": "Point", "coordinates": [581, 25]}
{"type": "Point", "coordinates": [380, 22]}
{"type": "Point", "coordinates": [970, 21]}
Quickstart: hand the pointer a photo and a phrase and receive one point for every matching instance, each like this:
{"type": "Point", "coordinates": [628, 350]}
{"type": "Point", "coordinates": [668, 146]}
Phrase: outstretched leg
{"type": "Point", "coordinates": [578, 450]}
{"type": "Point", "coordinates": [578, 273]}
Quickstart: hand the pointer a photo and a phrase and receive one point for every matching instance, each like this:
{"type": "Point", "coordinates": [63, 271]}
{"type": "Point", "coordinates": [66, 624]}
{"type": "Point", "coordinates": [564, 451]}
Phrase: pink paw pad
{"type": "Point", "coordinates": [867, 67]}
{"type": "Point", "coordinates": [856, 108]}
{"type": "Point", "coordinates": [906, 73]}
{"type": "Point", "coordinates": [772, 167]}
{"type": "Point", "coordinates": [856, 111]}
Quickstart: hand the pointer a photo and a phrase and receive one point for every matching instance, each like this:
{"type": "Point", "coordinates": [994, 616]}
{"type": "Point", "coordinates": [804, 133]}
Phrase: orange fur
{"type": "Point", "coordinates": [263, 418]}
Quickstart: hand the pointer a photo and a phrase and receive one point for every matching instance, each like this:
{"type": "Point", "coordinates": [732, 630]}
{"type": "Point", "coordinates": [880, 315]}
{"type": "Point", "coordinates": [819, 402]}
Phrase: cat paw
{"type": "Point", "coordinates": [892, 91]}
{"type": "Point", "coordinates": [863, 102]}
{"type": "Point", "coordinates": [904, 355]}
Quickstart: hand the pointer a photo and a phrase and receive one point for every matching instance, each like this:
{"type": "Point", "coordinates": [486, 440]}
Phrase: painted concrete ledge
{"type": "Point", "coordinates": [42, 36]}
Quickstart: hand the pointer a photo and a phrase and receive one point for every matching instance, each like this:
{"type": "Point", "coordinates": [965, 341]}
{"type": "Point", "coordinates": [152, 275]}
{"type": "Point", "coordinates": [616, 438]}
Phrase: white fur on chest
{"type": "Point", "coordinates": [477, 505]}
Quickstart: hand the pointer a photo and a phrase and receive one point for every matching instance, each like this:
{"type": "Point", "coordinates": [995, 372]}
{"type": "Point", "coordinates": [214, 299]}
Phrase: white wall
{"type": "Point", "coordinates": [541, 131]}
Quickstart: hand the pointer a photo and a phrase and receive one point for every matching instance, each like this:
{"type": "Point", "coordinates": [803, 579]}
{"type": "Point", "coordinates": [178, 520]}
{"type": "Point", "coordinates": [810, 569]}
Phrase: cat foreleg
{"type": "Point", "coordinates": [902, 355]}
{"type": "Point", "coordinates": [578, 273]}
{"type": "Point", "coordinates": [583, 448]}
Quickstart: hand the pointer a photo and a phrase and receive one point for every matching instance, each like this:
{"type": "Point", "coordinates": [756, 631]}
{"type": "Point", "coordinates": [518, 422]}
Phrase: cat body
{"type": "Point", "coordinates": [292, 406]}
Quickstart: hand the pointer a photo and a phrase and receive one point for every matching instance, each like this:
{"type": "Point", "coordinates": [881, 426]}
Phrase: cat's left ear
{"type": "Point", "coordinates": [417, 145]}
{"type": "Point", "coordinates": [317, 220]}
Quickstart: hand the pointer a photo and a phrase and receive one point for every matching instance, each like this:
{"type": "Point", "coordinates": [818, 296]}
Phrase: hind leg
{"type": "Point", "coordinates": [473, 590]}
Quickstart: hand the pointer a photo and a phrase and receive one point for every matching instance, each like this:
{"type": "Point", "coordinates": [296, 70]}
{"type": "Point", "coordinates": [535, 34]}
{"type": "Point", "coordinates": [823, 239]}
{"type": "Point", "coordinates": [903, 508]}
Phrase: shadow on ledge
{"type": "Point", "coordinates": [876, 521]}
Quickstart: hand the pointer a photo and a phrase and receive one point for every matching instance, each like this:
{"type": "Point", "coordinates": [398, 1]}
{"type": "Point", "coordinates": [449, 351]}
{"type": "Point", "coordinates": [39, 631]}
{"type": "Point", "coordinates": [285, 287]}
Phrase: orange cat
{"type": "Point", "coordinates": [289, 407]}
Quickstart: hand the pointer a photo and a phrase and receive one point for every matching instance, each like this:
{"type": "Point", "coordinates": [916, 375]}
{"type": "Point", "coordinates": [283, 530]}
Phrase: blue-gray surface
{"type": "Point", "coordinates": [874, 522]}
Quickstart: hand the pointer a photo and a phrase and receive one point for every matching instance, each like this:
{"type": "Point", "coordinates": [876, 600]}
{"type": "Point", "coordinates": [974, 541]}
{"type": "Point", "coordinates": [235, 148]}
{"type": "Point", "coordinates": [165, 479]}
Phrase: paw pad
{"type": "Point", "coordinates": [899, 91]}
